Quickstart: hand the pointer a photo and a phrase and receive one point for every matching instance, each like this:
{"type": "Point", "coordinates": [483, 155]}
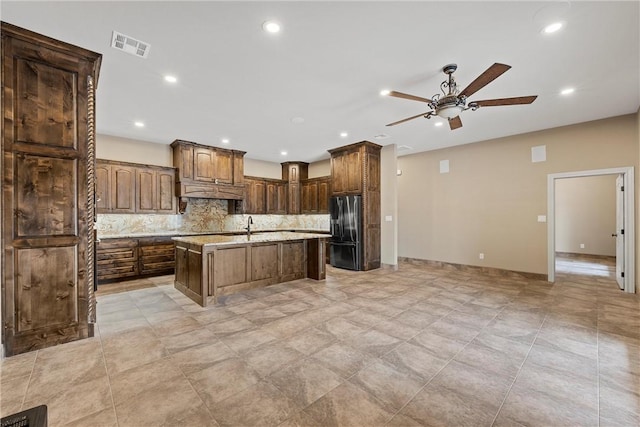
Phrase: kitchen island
{"type": "Point", "coordinates": [213, 265]}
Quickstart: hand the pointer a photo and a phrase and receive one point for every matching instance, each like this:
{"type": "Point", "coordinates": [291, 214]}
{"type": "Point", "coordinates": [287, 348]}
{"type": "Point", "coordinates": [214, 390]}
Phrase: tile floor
{"type": "Point", "coordinates": [413, 347]}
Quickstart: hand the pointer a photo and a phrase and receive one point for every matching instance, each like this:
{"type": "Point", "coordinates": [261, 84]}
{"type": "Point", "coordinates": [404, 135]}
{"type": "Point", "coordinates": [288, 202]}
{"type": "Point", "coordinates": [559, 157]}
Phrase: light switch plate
{"type": "Point", "coordinates": [542, 218]}
{"type": "Point", "coordinates": [388, 218]}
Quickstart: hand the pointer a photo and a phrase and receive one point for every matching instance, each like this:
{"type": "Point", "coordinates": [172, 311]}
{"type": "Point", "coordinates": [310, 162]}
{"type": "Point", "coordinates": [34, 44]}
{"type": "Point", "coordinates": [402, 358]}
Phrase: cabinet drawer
{"type": "Point", "coordinates": [146, 251]}
{"type": "Point", "coordinates": [119, 254]}
{"type": "Point", "coordinates": [155, 267]}
{"type": "Point", "coordinates": [117, 273]}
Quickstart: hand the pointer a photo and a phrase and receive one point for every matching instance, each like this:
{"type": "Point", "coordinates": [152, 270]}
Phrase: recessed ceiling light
{"type": "Point", "coordinates": [139, 124]}
{"type": "Point", "coordinates": [170, 79]}
{"type": "Point", "coordinates": [271, 27]}
{"type": "Point", "coordinates": [385, 92]}
{"type": "Point", "coordinates": [552, 28]}
{"type": "Point", "coordinates": [344, 134]}
{"type": "Point", "coordinates": [283, 153]}
{"type": "Point", "coordinates": [297, 120]}
{"type": "Point", "coordinates": [224, 140]}
{"type": "Point", "coordinates": [438, 124]}
{"type": "Point", "coordinates": [567, 91]}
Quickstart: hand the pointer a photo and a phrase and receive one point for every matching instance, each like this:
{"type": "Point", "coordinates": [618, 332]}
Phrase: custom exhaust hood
{"type": "Point", "coordinates": [207, 172]}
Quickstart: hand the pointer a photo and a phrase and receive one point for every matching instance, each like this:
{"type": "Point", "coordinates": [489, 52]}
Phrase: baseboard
{"type": "Point", "coordinates": [474, 268]}
{"type": "Point", "coordinates": [393, 267]}
{"type": "Point", "coordinates": [579, 255]}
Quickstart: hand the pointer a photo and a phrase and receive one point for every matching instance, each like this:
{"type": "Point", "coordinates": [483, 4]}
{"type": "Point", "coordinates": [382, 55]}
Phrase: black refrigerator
{"type": "Point", "coordinates": [345, 246]}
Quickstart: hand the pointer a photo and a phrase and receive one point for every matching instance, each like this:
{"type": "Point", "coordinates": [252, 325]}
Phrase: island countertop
{"type": "Point", "coordinates": [258, 237]}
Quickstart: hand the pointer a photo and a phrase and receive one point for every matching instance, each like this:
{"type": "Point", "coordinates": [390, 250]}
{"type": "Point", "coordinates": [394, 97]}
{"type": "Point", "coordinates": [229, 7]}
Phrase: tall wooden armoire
{"type": "Point", "coordinates": [48, 144]}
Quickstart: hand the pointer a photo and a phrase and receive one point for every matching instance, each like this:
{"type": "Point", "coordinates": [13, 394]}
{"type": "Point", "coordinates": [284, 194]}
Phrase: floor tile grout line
{"type": "Point", "coordinates": [519, 370]}
{"type": "Point", "coordinates": [445, 365]}
{"type": "Point", "coordinates": [33, 368]}
{"type": "Point", "coordinates": [106, 369]}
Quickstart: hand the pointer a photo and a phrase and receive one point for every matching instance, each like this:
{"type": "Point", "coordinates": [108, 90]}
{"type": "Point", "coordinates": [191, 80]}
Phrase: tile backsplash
{"type": "Point", "coordinates": [202, 216]}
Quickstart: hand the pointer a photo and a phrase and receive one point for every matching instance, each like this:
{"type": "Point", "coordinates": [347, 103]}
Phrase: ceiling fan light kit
{"type": "Point", "coordinates": [452, 102]}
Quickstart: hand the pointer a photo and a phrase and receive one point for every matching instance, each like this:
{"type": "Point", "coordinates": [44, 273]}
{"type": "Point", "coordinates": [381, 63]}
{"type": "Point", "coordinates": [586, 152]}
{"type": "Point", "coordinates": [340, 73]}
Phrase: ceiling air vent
{"type": "Point", "coordinates": [404, 147]}
{"type": "Point", "coordinates": [130, 45]}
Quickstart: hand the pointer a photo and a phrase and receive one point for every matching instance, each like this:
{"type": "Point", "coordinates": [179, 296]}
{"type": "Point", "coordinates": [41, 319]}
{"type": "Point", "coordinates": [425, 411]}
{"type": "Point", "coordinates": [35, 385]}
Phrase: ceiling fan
{"type": "Point", "coordinates": [452, 102]}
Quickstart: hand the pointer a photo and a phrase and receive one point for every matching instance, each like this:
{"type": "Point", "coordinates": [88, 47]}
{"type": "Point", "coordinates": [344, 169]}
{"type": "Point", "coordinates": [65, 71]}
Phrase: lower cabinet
{"type": "Point", "coordinates": [116, 259]}
{"type": "Point", "coordinates": [125, 259]}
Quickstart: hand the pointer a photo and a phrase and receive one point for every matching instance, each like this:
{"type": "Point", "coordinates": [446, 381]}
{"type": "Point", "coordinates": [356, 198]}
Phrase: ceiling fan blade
{"type": "Point", "coordinates": [505, 101]}
{"type": "Point", "coordinates": [407, 119]}
{"type": "Point", "coordinates": [455, 123]}
{"type": "Point", "coordinates": [492, 73]}
{"type": "Point", "coordinates": [407, 96]}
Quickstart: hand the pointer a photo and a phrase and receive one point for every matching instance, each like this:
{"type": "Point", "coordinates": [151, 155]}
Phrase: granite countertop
{"type": "Point", "coordinates": [206, 233]}
{"type": "Point", "coordinates": [218, 240]}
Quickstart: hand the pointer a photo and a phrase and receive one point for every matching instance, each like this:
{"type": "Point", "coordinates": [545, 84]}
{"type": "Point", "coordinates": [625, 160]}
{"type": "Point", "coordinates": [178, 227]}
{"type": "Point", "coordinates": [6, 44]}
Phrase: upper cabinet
{"type": "Point", "coordinates": [133, 188]}
{"type": "Point", "coordinates": [315, 195]}
{"type": "Point", "coordinates": [293, 173]}
{"type": "Point", "coordinates": [207, 172]}
{"type": "Point", "coordinates": [346, 170]}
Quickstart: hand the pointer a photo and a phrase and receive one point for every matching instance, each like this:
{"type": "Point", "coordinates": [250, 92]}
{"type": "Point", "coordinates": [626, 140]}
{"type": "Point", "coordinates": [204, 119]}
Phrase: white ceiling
{"type": "Point", "coordinates": [330, 61]}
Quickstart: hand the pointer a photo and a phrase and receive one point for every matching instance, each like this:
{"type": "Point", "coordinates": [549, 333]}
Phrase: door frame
{"type": "Point", "coordinates": [629, 218]}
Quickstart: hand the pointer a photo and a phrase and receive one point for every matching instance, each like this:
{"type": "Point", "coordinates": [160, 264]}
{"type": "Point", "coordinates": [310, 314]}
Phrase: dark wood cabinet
{"type": "Point", "coordinates": [103, 187]}
{"type": "Point", "coordinates": [134, 188]}
{"type": "Point", "coordinates": [48, 97]}
{"type": "Point", "coordinates": [324, 192]}
{"type": "Point", "coordinates": [128, 258]}
{"type": "Point", "coordinates": [315, 195]}
{"type": "Point", "coordinates": [293, 173]}
{"type": "Point", "coordinates": [355, 169]}
{"type": "Point", "coordinates": [123, 189]}
{"type": "Point", "coordinates": [255, 199]}
{"type": "Point", "coordinates": [207, 172]}
{"type": "Point", "coordinates": [156, 255]}
{"type": "Point", "coordinates": [116, 259]}
{"type": "Point", "coordinates": [276, 197]}
{"type": "Point", "coordinates": [346, 171]}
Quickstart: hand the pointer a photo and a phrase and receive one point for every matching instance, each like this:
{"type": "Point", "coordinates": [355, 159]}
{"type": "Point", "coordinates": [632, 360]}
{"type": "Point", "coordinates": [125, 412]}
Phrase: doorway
{"type": "Point", "coordinates": [625, 226]}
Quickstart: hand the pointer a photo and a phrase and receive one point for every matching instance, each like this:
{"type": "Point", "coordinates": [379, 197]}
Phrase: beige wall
{"type": "Point", "coordinates": [321, 168]}
{"type": "Point", "coordinates": [389, 205]}
{"type": "Point", "coordinates": [262, 169]}
{"type": "Point", "coordinates": [490, 200]}
{"type": "Point", "coordinates": [586, 214]}
{"type": "Point", "coordinates": [132, 150]}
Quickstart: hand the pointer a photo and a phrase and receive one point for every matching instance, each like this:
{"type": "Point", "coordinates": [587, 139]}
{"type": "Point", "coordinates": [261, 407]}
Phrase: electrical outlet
{"type": "Point", "coordinates": [581, 245]}
{"type": "Point", "coordinates": [481, 256]}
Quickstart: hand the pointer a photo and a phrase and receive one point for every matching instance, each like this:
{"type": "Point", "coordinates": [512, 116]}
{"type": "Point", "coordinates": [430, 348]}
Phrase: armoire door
{"type": "Point", "coordinates": [48, 211]}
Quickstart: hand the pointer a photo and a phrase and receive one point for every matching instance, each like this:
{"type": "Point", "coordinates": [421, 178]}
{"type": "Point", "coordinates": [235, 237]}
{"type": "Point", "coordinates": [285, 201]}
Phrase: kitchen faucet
{"type": "Point", "coordinates": [248, 227]}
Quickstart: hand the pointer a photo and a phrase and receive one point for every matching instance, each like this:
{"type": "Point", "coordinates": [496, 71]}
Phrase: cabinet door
{"type": "Point", "coordinates": [271, 197]}
{"type": "Point", "coordinates": [324, 190]}
{"type": "Point", "coordinates": [103, 188]}
{"type": "Point", "coordinates": [166, 192]}
{"type": "Point", "coordinates": [204, 164]}
{"type": "Point", "coordinates": [182, 271]}
{"type": "Point", "coordinates": [224, 166]}
{"type": "Point", "coordinates": [293, 199]}
{"type": "Point", "coordinates": [313, 197]}
{"type": "Point", "coordinates": [282, 198]}
{"type": "Point", "coordinates": [184, 162]}
{"type": "Point", "coordinates": [259, 196]}
{"type": "Point", "coordinates": [255, 200]}
{"type": "Point", "coordinates": [146, 190]}
{"type": "Point", "coordinates": [338, 173]}
{"type": "Point", "coordinates": [123, 184]}
{"type": "Point", "coordinates": [305, 202]}
{"type": "Point", "coordinates": [354, 172]}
